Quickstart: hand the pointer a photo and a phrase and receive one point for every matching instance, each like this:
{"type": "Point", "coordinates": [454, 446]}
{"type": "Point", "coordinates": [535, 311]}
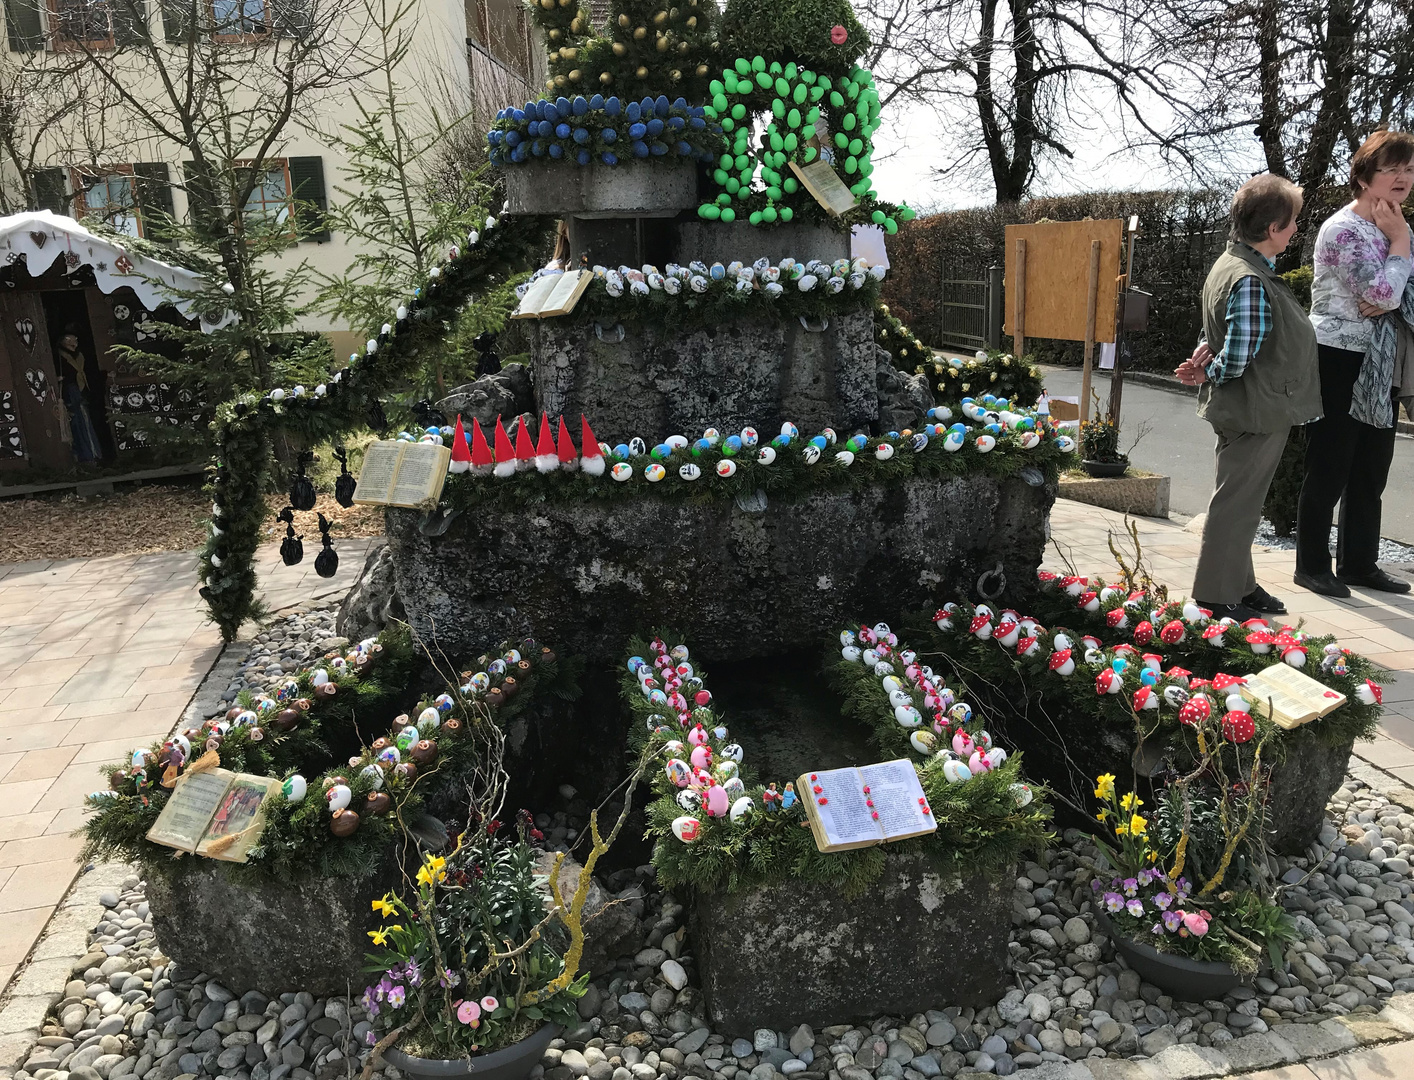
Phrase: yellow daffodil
{"type": "Point", "coordinates": [1106, 789]}
{"type": "Point", "coordinates": [1131, 801]}
{"type": "Point", "coordinates": [380, 937]}
{"type": "Point", "coordinates": [1138, 825]}
{"type": "Point", "coordinates": [432, 870]}
{"type": "Point", "coordinates": [1103, 815]}
{"type": "Point", "coordinates": [383, 907]}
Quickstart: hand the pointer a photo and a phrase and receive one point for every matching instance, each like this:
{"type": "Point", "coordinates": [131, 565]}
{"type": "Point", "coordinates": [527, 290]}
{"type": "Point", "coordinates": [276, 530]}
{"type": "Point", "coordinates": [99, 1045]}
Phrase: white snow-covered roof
{"type": "Point", "coordinates": [41, 236]}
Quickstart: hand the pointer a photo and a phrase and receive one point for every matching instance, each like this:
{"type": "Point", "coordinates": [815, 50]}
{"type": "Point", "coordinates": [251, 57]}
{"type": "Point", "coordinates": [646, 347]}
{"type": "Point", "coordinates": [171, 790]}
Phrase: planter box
{"type": "Point", "coordinates": [1144, 495]}
{"type": "Point", "coordinates": [275, 936]}
{"type": "Point", "coordinates": [916, 940]}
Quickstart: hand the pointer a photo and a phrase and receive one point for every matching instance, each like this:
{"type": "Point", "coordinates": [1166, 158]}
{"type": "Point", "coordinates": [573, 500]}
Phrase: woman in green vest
{"type": "Point", "coordinates": [1362, 305]}
{"type": "Point", "coordinates": [1258, 384]}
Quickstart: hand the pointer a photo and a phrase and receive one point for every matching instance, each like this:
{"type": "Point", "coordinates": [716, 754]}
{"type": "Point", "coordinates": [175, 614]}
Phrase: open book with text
{"type": "Point", "coordinates": [859, 807]}
{"type": "Point", "coordinates": [215, 813]}
{"type": "Point", "coordinates": [402, 473]}
{"type": "Point", "coordinates": [553, 294]}
{"type": "Point", "coordinates": [1293, 697]}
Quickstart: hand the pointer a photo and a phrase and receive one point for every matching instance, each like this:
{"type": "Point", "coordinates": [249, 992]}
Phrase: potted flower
{"type": "Point", "coordinates": [1183, 905]}
{"type": "Point", "coordinates": [477, 972]}
{"type": "Point", "coordinates": [1100, 455]}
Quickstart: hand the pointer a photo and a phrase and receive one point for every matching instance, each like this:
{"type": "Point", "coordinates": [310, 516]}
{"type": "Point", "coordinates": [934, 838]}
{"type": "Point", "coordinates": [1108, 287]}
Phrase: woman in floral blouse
{"type": "Point", "coordinates": [1361, 277]}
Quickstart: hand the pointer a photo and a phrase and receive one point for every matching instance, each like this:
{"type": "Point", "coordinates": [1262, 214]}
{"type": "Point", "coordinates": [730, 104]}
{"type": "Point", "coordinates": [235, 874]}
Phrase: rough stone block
{"type": "Point", "coordinates": [305, 935]}
{"type": "Point", "coordinates": [1188, 1062]}
{"type": "Point", "coordinates": [1108, 1068]}
{"type": "Point", "coordinates": [1147, 496]}
{"type": "Point", "coordinates": [1316, 1040]}
{"type": "Point", "coordinates": [715, 241]}
{"type": "Point", "coordinates": [752, 372]}
{"type": "Point", "coordinates": [1264, 1050]}
{"type": "Point", "coordinates": [1302, 783]}
{"type": "Point", "coordinates": [1373, 1029]}
{"type": "Point", "coordinates": [631, 189]}
{"type": "Point", "coordinates": [25, 1013]}
{"type": "Point", "coordinates": [917, 939]}
{"type": "Point", "coordinates": [586, 576]}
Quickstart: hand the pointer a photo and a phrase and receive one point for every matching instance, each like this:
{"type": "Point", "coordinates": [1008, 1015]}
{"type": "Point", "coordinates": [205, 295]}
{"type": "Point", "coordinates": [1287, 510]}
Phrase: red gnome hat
{"type": "Point", "coordinates": [505, 452]}
{"type": "Point", "coordinates": [481, 459]}
{"type": "Point", "coordinates": [591, 460]}
{"type": "Point", "coordinates": [546, 457]}
{"type": "Point", "coordinates": [525, 448]}
{"type": "Point", "coordinates": [569, 456]}
{"type": "Point", "coordinates": [461, 456]}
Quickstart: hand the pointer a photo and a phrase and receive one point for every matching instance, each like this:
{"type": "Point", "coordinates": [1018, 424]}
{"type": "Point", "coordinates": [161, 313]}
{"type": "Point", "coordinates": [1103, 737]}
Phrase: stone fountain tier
{"type": "Point", "coordinates": [919, 938]}
{"type": "Point", "coordinates": [633, 379]}
{"type": "Point", "coordinates": [735, 580]}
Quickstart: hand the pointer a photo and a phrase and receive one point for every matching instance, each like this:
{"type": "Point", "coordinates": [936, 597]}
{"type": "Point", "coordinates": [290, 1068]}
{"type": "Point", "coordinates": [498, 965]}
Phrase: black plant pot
{"type": "Point", "coordinates": [513, 1062]}
{"type": "Point", "coordinates": [1103, 470]}
{"type": "Point", "coordinates": [1184, 978]}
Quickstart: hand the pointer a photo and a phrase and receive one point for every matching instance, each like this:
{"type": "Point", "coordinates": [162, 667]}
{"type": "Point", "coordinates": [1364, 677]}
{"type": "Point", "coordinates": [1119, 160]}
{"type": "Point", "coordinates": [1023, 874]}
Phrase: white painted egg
{"type": "Point", "coordinates": [899, 697]}
{"type": "Point", "coordinates": [742, 807]}
{"type": "Point", "coordinates": [375, 775]}
{"type": "Point", "coordinates": [319, 678]}
{"type": "Point", "coordinates": [1021, 793]}
{"type": "Point", "coordinates": [985, 443]}
{"type": "Point", "coordinates": [811, 453]}
{"type": "Point", "coordinates": [689, 471]}
{"type": "Point", "coordinates": [952, 442]}
{"type": "Point", "coordinates": [726, 467]}
{"type": "Point", "coordinates": [294, 788]}
{"type": "Point", "coordinates": [908, 716]}
{"type": "Point", "coordinates": [429, 719]}
{"type": "Point", "coordinates": [687, 829]}
{"type": "Point", "coordinates": [621, 471]}
{"type": "Point", "coordinates": [678, 771]}
{"type": "Point", "coordinates": [749, 437]}
{"type": "Point", "coordinates": [690, 800]}
{"type": "Point", "coordinates": [925, 742]}
{"type": "Point", "coordinates": [766, 455]}
{"type": "Point", "coordinates": [338, 797]}
{"type": "Point", "coordinates": [956, 772]}
{"type": "Point", "coordinates": [654, 472]}
{"type": "Point", "coordinates": [734, 787]}
{"type": "Point", "coordinates": [884, 451]}
{"type": "Point", "coordinates": [844, 458]}
{"type": "Point", "coordinates": [852, 653]}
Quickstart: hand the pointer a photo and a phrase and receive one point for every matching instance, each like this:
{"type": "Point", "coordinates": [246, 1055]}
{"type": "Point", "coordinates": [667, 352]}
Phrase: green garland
{"type": "Point", "coordinates": [298, 837]}
{"type": "Point", "coordinates": [980, 825]}
{"type": "Point", "coordinates": [244, 428]}
{"type": "Point", "coordinates": [902, 345]}
{"type": "Point", "coordinates": [787, 477]}
{"type": "Point", "coordinates": [1019, 381]}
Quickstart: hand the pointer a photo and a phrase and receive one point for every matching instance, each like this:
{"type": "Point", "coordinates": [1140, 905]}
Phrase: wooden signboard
{"type": "Point", "coordinates": [1063, 281]}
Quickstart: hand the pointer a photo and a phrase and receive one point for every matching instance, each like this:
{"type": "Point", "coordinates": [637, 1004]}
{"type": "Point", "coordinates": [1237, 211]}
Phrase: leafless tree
{"type": "Point", "coordinates": [1018, 84]}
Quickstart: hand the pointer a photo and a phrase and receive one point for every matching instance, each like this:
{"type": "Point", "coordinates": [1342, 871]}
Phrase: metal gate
{"type": "Point", "coordinates": [970, 313]}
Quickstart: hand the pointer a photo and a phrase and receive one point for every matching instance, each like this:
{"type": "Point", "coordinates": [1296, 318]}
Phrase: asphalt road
{"type": "Point", "coordinates": [1180, 445]}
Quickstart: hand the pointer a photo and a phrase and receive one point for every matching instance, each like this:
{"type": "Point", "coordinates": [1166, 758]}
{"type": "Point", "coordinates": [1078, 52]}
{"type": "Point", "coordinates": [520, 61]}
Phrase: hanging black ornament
{"type": "Point", "coordinates": [301, 489]}
{"type": "Point", "coordinates": [345, 484]}
{"type": "Point", "coordinates": [292, 547]}
{"type": "Point", "coordinates": [487, 363]}
{"type": "Point", "coordinates": [326, 563]}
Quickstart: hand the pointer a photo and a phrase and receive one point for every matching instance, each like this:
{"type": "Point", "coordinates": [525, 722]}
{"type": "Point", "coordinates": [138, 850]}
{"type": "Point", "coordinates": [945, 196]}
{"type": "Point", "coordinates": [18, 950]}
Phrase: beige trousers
{"type": "Point", "coordinates": [1246, 463]}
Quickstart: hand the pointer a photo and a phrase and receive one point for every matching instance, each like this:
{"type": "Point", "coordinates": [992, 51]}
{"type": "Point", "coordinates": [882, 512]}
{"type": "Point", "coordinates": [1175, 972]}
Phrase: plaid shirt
{"type": "Point", "coordinates": [1249, 321]}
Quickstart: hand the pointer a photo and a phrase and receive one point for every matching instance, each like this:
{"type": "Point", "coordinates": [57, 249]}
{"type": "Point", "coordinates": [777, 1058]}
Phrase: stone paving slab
{"type": "Point", "coordinates": [98, 656]}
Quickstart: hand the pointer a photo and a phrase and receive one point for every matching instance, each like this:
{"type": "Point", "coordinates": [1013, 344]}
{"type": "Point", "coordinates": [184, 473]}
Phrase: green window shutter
{"type": "Point", "coordinates": [290, 18]}
{"type": "Point", "coordinates": [51, 190]}
{"type": "Point", "coordinates": [154, 200]}
{"type": "Point", "coordinates": [312, 203]}
{"type": "Point", "coordinates": [178, 18]}
{"type": "Point", "coordinates": [129, 22]}
{"type": "Point", "coordinates": [23, 26]}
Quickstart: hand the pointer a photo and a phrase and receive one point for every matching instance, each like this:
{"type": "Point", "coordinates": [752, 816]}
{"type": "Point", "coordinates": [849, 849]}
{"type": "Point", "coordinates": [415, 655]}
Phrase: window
{"type": "Point", "coordinates": [81, 24]}
{"type": "Point", "coordinates": [270, 201]}
{"type": "Point", "coordinates": [239, 20]}
{"type": "Point", "coordinates": [109, 194]}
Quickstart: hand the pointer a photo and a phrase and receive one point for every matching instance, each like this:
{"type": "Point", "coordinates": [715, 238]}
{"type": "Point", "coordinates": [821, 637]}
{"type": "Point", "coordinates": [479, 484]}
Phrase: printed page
{"type": "Point", "coordinates": [898, 797]}
{"type": "Point", "coordinates": [1295, 698]}
{"type": "Point", "coordinates": [567, 292]}
{"type": "Point", "coordinates": [421, 475]}
{"type": "Point", "coordinates": [845, 819]}
{"type": "Point", "coordinates": [194, 800]}
{"type": "Point", "coordinates": [235, 826]}
{"type": "Point", "coordinates": [380, 468]}
{"type": "Point", "coordinates": [821, 180]}
{"type": "Point", "coordinates": [535, 296]}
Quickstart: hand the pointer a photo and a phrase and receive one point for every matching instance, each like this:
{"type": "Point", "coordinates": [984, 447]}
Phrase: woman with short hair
{"type": "Point", "coordinates": [1362, 305]}
{"type": "Point", "coordinates": [1258, 384]}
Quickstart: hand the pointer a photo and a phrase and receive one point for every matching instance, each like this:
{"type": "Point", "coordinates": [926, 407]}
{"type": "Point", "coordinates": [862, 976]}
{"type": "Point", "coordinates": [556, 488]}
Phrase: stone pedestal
{"type": "Point", "coordinates": [716, 241]}
{"type": "Point", "coordinates": [281, 936]}
{"type": "Point", "coordinates": [735, 582]}
{"type": "Point", "coordinates": [627, 190]}
{"type": "Point", "coordinates": [759, 372]}
{"type": "Point", "coordinates": [1301, 786]}
{"type": "Point", "coordinates": [918, 939]}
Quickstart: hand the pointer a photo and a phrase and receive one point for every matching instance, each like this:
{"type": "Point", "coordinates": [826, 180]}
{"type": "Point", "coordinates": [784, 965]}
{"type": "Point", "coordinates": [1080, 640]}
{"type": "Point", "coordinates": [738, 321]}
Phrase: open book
{"type": "Point", "coordinates": [553, 294]}
{"type": "Point", "coordinates": [855, 808]}
{"type": "Point", "coordinates": [215, 813]}
{"type": "Point", "coordinates": [821, 180]}
{"type": "Point", "coordinates": [1294, 697]}
{"type": "Point", "coordinates": [402, 473]}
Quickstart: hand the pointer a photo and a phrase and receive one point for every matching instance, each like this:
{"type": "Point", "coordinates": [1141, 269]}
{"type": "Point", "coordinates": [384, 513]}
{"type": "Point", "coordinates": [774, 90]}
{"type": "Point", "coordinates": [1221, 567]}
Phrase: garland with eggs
{"type": "Point", "coordinates": [754, 179]}
{"type": "Point", "coordinates": [903, 346]}
{"type": "Point", "coordinates": [345, 820]}
{"type": "Point", "coordinates": [719, 829]}
{"type": "Point", "coordinates": [1193, 664]}
{"type": "Point", "coordinates": [500, 472]}
{"type": "Point", "coordinates": [601, 130]}
{"type": "Point", "coordinates": [989, 372]}
{"type": "Point", "coordinates": [244, 427]}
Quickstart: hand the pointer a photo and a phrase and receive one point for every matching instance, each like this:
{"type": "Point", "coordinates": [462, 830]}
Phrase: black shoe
{"type": "Point", "coordinates": [1377, 580]}
{"type": "Point", "coordinates": [1261, 600]}
{"type": "Point", "coordinates": [1237, 612]}
{"type": "Point", "coordinates": [1325, 584]}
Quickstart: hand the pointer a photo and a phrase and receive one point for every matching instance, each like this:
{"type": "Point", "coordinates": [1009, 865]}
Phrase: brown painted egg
{"type": "Point", "coordinates": [288, 719]}
{"type": "Point", "coordinates": [343, 823]}
{"type": "Point", "coordinates": [424, 753]}
{"type": "Point", "coordinates": [406, 770]}
{"type": "Point", "coordinates": [378, 803]}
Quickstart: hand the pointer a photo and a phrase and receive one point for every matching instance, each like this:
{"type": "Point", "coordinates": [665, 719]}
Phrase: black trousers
{"type": "Point", "coordinates": [1346, 462]}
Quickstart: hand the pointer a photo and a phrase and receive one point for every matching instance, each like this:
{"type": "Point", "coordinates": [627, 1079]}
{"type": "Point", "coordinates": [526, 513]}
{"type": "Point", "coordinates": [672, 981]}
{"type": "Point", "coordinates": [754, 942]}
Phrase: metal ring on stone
{"type": "Point", "coordinates": [813, 326]}
{"type": "Point", "coordinates": [986, 592]}
{"type": "Point", "coordinates": [611, 336]}
{"type": "Point", "coordinates": [438, 521]}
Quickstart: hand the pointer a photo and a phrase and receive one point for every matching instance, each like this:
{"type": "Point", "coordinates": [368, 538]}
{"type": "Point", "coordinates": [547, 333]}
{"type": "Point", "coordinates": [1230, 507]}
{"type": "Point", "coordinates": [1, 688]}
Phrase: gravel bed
{"type": "Point", "coordinates": [283, 648]}
{"type": "Point", "coordinates": [1391, 551]}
